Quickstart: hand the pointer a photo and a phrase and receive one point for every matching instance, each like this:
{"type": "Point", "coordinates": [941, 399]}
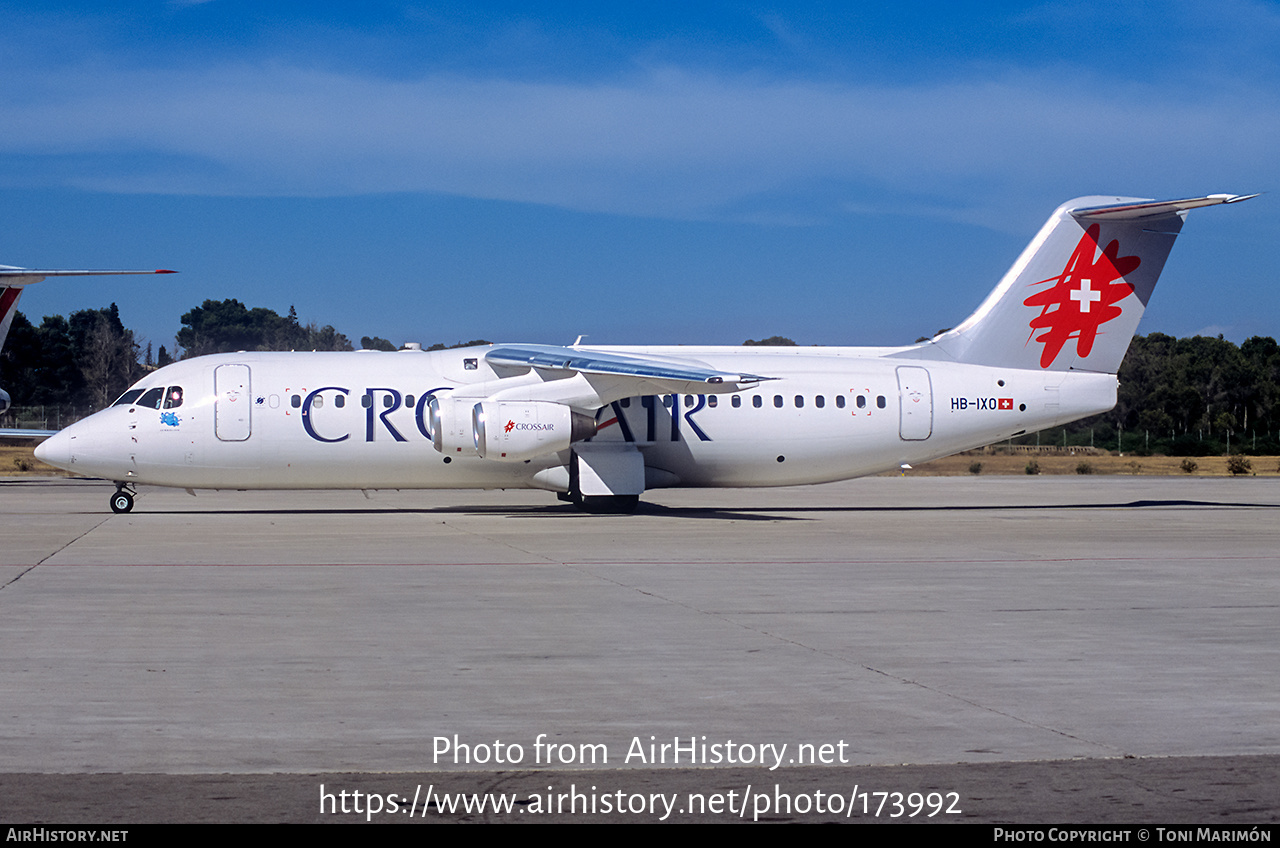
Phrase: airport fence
{"type": "Point", "coordinates": [1003, 449]}
{"type": "Point", "coordinates": [50, 417]}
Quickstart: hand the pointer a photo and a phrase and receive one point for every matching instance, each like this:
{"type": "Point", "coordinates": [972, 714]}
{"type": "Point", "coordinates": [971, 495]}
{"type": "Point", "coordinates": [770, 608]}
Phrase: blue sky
{"type": "Point", "coordinates": [672, 173]}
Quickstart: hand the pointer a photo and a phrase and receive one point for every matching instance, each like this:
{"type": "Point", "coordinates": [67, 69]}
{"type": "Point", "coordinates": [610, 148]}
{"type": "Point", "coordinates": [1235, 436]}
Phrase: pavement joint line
{"type": "Point", "coordinates": [844, 660]}
{"type": "Point", "coordinates": [488, 538]}
{"type": "Point", "coordinates": [69, 543]}
{"type": "Point", "coordinates": [18, 577]}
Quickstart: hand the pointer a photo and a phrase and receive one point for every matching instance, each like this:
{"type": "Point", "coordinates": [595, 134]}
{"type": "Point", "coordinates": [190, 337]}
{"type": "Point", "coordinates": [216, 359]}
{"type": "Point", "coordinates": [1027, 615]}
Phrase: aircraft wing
{"type": "Point", "coordinates": [26, 434]}
{"type": "Point", "coordinates": [656, 373]}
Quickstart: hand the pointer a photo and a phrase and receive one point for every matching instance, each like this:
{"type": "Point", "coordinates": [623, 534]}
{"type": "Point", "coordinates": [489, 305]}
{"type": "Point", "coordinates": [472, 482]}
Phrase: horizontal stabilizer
{"type": "Point", "coordinates": [1152, 208]}
{"type": "Point", "coordinates": [11, 276]}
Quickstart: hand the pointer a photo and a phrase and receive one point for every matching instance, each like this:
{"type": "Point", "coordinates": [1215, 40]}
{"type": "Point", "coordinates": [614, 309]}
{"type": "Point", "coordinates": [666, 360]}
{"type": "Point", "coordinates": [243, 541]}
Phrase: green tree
{"type": "Point", "coordinates": [106, 354]}
{"type": "Point", "coordinates": [472, 343]}
{"type": "Point", "coordinates": [222, 326]}
{"type": "Point", "coordinates": [84, 361]}
{"type": "Point", "coordinates": [37, 365]}
{"type": "Point", "coordinates": [324, 338]}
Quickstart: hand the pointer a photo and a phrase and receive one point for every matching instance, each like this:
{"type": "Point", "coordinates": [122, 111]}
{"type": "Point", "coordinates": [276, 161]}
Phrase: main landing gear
{"type": "Point", "coordinates": [602, 504]}
{"type": "Point", "coordinates": [610, 504]}
{"type": "Point", "coordinates": [122, 500]}
{"type": "Point", "coordinates": [611, 469]}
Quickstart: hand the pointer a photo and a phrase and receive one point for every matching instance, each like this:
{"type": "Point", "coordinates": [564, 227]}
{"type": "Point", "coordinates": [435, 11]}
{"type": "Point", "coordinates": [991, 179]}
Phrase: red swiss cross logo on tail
{"type": "Point", "coordinates": [1083, 297]}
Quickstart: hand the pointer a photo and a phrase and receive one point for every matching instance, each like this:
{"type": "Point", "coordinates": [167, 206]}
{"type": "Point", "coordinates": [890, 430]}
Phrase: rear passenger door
{"type": "Point", "coordinates": [915, 400]}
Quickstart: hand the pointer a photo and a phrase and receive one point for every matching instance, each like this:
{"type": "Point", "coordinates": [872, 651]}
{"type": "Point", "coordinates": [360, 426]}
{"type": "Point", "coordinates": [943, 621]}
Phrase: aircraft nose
{"type": "Point", "coordinates": [55, 450]}
{"type": "Point", "coordinates": [96, 446]}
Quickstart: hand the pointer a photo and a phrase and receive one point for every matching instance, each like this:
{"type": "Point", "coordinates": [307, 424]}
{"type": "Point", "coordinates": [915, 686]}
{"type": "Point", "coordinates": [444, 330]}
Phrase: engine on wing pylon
{"type": "Point", "coordinates": [505, 431]}
{"type": "Point", "coordinates": [452, 430]}
{"type": "Point", "coordinates": [511, 431]}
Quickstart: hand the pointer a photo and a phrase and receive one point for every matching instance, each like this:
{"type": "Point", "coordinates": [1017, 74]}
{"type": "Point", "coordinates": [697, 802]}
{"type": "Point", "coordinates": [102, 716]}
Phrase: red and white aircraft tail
{"type": "Point", "coordinates": [1073, 299]}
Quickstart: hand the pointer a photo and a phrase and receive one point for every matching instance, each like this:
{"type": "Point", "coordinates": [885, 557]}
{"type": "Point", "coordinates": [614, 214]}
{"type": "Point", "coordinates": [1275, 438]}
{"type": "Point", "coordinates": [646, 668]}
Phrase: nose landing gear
{"type": "Point", "coordinates": [122, 500]}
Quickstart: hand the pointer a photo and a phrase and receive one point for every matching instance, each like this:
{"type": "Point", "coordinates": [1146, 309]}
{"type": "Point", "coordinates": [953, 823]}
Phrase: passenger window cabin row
{"type": "Point", "coordinates": [758, 401]}
{"type": "Point", "coordinates": [340, 400]}
{"type": "Point", "coordinates": [171, 398]}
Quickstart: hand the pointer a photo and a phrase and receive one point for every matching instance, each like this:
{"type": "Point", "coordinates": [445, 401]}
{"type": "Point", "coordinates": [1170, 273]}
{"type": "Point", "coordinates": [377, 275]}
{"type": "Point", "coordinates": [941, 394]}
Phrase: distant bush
{"type": "Point", "coordinates": [1190, 444]}
{"type": "Point", "coordinates": [1033, 467]}
{"type": "Point", "coordinates": [1238, 464]}
{"type": "Point", "coordinates": [975, 468]}
{"type": "Point", "coordinates": [22, 463]}
{"type": "Point", "coordinates": [1084, 468]}
{"type": "Point", "coordinates": [1189, 466]}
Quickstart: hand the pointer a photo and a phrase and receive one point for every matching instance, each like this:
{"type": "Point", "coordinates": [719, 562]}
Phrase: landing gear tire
{"type": "Point", "coordinates": [611, 504]}
{"type": "Point", "coordinates": [121, 501]}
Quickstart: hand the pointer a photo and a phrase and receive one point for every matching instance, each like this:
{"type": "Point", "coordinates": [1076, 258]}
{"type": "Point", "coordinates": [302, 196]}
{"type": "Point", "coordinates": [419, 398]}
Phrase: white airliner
{"type": "Point", "coordinates": [599, 425]}
{"type": "Point", "coordinates": [12, 282]}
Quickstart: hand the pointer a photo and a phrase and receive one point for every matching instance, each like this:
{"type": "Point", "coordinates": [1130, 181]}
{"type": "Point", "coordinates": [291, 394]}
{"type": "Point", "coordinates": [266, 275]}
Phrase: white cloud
{"type": "Point", "coordinates": [669, 143]}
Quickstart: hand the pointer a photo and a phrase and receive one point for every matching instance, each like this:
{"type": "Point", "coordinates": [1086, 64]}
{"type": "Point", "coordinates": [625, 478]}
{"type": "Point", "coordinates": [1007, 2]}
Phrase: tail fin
{"type": "Point", "coordinates": [8, 305]}
{"type": "Point", "coordinates": [1073, 299]}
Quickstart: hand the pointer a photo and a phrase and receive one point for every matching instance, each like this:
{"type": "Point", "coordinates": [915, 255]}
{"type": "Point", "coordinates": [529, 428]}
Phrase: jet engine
{"type": "Point", "coordinates": [511, 431]}
{"type": "Point", "coordinates": [451, 425]}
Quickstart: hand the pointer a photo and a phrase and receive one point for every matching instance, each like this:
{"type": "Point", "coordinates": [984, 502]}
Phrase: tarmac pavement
{"type": "Point", "coordinates": [986, 631]}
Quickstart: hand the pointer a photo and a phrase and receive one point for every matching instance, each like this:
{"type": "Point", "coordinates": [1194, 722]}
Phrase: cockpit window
{"type": "Point", "coordinates": [129, 397]}
{"type": "Point", "coordinates": [173, 397]}
{"type": "Point", "coordinates": [151, 399]}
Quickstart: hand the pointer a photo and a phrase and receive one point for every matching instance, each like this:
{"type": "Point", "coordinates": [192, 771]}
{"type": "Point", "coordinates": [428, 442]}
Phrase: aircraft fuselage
{"type": "Point", "coordinates": [601, 425]}
{"type": "Point", "coordinates": [361, 420]}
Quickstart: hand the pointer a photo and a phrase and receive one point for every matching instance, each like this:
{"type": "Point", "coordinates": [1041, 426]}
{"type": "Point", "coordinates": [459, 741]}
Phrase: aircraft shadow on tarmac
{"type": "Point", "coordinates": [757, 513]}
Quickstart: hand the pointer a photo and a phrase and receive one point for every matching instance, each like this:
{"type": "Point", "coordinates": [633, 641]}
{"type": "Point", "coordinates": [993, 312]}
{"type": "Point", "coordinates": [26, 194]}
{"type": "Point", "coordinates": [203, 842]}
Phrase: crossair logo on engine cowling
{"type": "Point", "coordinates": [511, 425]}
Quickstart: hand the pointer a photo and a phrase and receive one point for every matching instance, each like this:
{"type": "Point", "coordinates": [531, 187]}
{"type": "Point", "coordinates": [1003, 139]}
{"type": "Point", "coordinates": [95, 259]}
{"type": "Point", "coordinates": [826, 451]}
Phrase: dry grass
{"type": "Point", "coordinates": [20, 461]}
{"type": "Point", "coordinates": [1156, 466]}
